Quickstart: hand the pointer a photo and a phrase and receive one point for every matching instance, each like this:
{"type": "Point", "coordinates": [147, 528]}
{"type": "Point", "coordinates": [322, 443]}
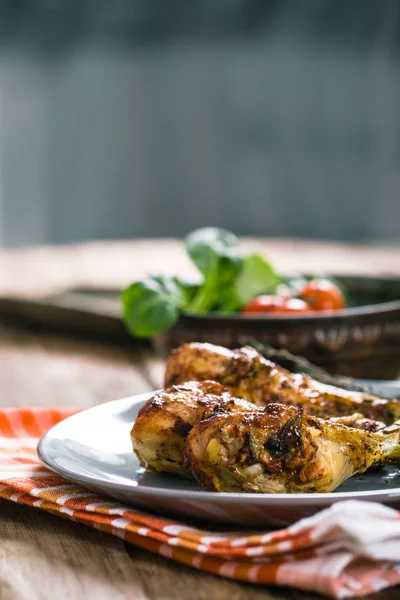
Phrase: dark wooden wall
{"type": "Point", "coordinates": [125, 119]}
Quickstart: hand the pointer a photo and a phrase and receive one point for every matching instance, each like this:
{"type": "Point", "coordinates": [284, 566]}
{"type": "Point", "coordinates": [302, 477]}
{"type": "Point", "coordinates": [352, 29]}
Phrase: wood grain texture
{"type": "Point", "coordinates": [43, 557]}
{"type": "Point", "coordinates": [41, 271]}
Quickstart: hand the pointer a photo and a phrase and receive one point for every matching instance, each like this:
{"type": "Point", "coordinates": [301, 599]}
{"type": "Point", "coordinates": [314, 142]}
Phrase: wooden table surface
{"type": "Point", "coordinates": [44, 557]}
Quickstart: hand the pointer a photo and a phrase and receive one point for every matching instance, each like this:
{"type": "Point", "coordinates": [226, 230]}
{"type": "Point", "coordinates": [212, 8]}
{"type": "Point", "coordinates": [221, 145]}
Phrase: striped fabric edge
{"type": "Point", "coordinates": [307, 571]}
{"type": "Point", "coordinates": [287, 557]}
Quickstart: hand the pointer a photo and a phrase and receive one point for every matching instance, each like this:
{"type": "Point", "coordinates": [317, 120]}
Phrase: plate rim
{"type": "Point", "coordinates": [310, 499]}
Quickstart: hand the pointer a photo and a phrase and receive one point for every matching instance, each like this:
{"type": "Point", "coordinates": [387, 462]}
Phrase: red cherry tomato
{"type": "Point", "coordinates": [295, 305]}
{"type": "Point", "coordinates": [263, 304]}
{"type": "Point", "coordinates": [275, 304]}
{"type": "Point", "coordinates": [322, 294]}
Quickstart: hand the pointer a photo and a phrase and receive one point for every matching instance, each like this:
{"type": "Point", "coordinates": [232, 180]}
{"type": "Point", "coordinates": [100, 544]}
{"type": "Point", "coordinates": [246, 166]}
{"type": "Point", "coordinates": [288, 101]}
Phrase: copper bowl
{"type": "Point", "coordinates": [360, 341]}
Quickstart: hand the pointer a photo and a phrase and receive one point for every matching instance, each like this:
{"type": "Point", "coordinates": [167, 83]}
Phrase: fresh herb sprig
{"type": "Point", "coordinates": [228, 282]}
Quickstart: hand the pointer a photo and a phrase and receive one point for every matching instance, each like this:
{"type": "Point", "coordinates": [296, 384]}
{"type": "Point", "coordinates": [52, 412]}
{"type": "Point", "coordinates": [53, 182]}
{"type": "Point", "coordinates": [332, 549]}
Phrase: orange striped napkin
{"type": "Point", "coordinates": [350, 549]}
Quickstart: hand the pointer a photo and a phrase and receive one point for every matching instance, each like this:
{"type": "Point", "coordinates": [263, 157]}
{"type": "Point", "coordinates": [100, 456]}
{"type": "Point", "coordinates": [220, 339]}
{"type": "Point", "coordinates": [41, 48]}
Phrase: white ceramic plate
{"type": "Point", "coordinates": [93, 448]}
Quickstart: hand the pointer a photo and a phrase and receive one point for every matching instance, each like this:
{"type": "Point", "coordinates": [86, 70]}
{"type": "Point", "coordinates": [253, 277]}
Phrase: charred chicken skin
{"type": "Point", "coordinates": [247, 374]}
{"type": "Point", "coordinates": [162, 424]}
{"type": "Point", "coordinates": [282, 450]}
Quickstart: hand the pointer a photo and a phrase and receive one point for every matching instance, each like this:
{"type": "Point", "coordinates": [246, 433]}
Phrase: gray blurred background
{"type": "Point", "coordinates": [128, 118]}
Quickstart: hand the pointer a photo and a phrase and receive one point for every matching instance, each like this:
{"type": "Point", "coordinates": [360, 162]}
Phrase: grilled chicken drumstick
{"type": "Point", "coordinates": [247, 374]}
{"type": "Point", "coordinates": [282, 450]}
{"type": "Point", "coordinates": [162, 424]}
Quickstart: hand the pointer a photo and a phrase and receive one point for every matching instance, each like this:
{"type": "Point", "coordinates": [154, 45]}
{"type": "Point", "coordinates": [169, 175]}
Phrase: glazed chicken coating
{"type": "Point", "coordinates": [162, 424]}
{"type": "Point", "coordinates": [247, 374]}
{"type": "Point", "coordinates": [282, 450]}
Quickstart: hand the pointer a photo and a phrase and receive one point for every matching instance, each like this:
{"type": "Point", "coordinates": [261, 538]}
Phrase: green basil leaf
{"type": "Point", "coordinates": [215, 253]}
{"type": "Point", "coordinates": [206, 246]}
{"type": "Point", "coordinates": [256, 277]}
{"type": "Point", "coordinates": [153, 305]}
{"type": "Point", "coordinates": [227, 301]}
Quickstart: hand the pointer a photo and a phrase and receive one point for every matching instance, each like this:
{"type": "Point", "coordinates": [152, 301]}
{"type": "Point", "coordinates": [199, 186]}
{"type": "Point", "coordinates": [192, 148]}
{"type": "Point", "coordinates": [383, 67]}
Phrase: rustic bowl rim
{"type": "Point", "coordinates": [370, 309]}
{"type": "Point", "coordinates": [380, 308]}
